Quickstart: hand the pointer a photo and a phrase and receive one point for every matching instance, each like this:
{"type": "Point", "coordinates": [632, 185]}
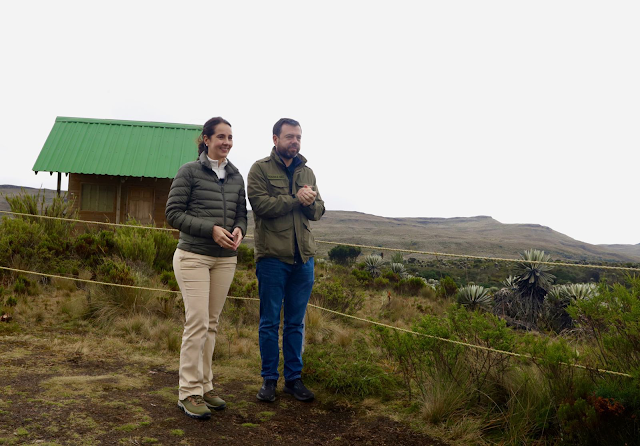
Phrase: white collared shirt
{"type": "Point", "coordinates": [218, 169]}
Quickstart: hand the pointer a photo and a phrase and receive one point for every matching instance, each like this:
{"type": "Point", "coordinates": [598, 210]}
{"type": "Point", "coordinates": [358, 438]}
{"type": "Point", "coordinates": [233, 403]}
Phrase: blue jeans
{"type": "Point", "coordinates": [280, 282]}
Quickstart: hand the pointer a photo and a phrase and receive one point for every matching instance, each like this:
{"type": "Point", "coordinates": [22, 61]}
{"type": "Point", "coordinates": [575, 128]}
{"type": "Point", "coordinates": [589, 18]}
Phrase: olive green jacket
{"type": "Point", "coordinates": [279, 217]}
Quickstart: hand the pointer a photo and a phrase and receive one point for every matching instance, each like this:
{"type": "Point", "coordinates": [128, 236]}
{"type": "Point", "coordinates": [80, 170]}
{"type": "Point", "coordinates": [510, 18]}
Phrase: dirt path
{"type": "Point", "coordinates": [49, 398]}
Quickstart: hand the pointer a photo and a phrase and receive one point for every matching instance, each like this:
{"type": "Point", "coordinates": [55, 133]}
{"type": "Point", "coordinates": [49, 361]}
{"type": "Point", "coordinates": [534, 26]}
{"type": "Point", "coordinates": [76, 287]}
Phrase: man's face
{"type": "Point", "coordinates": [288, 142]}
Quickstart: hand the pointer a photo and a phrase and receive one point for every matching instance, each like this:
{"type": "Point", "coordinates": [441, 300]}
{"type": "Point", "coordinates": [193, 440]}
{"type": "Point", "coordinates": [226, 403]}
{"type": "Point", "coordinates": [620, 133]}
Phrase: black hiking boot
{"type": "Point", "coordinates": [268, 391]}
{"type": "Point", "coordinates": [298, 390]}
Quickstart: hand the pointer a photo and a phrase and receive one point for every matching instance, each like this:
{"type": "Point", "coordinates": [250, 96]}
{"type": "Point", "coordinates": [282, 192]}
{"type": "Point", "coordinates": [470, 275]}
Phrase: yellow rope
{"type": "Point", "coordinates": [380, 324]}
{"type": "Point", "coordinates": [89, 222]}
{"type": "Point", "coordinates": [467, 256]}
{"type": "Point", "coordinates": [97, 282]}
{"type": "Point", "coordinates": [375, 248]}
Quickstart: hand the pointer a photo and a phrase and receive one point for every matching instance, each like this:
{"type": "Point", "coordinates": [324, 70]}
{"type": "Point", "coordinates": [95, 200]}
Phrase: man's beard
{"type": "Point", "coordinates": [284, 152]}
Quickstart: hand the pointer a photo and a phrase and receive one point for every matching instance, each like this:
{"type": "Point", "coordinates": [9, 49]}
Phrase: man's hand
{"type": "Point", "coordinates": [223, 237]}
{"type": "Point", "coordinates": [237, 238]}
{"type": "Point", "coordinates": [306, 195]}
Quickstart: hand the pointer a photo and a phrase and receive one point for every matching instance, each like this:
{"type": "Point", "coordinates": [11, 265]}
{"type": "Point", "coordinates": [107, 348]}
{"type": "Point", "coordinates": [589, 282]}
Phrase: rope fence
{"type": "Point", "coordinates": [375, 248]}
{"type": "Point", "coordinates": [349, 316]}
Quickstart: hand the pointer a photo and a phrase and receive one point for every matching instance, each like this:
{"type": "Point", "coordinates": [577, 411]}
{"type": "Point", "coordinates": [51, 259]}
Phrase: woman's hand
{"type": "Point", "coordinates": [237, 237]}
{"type": "Point", "coordinates": [223, 237]}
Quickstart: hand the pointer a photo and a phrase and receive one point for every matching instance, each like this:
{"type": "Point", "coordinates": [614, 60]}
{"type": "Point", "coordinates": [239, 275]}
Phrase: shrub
{"type": "Point", "coordinates": [380, 283]}
{"type": "Point", "coordinates": [344, 255]}
{"type": "Point", "coordinates": [56, 233]}
{"type": "Point", "coordinates": [364, 277]}
{"type": "Point", "coordinates": [611, 321]}
{"type": "Point", "coordinates": [168, 278]}
{"type": "Point", "coordinates": [447, 287]}
{"type": "Point", "coordinates": [136, 244]}
{"type": "Point", "coordinates": [250, 289]}
{"type": "Point", "coordinates": [246, 256]}
{"type": "Point", "coordinates": [391, 277]}
{"type": "Point", "coordinates": [424, 360]}
{"type": "Point", "coordinates": [19, 243]}
{"type": "Point", "coordinates": [93, 246]}
{"type": "Point", "coordinates": [352, 372]}
{"type": "Point", "coordinates": [428, 292]}
{"type": "Point", "coordinates": [106, 302]}
{"type": "Point", "coordinates": [165, 246]}
{"type": "Point", "coordinates": [334, 296]}
{"type": "Point", "coordinates": [113, 271]}
{"type": "Point", "coordinates": [411, 286]}
{"type": "Point", "coordinates": [25, 286]}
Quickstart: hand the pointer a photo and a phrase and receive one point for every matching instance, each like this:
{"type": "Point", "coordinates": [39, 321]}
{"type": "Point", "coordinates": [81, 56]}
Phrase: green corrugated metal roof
{"type": "Point", "coordinates": [125, 148]}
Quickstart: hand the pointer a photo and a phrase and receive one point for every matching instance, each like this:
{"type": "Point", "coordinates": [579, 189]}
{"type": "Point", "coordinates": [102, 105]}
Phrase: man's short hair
{"type": "Point", "coordinates": [277, 128]}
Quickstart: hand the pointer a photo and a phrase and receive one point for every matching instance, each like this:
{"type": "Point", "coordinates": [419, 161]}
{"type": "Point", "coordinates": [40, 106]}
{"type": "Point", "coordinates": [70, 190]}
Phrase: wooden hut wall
{"type": "Point", "coordinates": [157, 191]}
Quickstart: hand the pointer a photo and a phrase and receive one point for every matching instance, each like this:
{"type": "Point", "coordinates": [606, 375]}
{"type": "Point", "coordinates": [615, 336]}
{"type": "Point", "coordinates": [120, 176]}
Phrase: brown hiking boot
{"type": "Point", "coordinates": [213, 401]}
{"type": "Point", "coordinates": [195, 407]}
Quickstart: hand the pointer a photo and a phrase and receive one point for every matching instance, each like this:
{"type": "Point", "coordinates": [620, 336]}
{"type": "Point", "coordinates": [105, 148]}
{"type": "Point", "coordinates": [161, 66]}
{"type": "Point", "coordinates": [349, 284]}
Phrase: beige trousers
{"type": "Point", "coordinates": [204, 282]}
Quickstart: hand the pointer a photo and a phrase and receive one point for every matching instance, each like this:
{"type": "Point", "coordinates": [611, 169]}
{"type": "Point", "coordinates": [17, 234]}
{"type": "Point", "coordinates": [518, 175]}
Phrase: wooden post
{"type": "Point", "coordinates": [59, 181]}
{"type": "Point", "coordinates": [119, 197]}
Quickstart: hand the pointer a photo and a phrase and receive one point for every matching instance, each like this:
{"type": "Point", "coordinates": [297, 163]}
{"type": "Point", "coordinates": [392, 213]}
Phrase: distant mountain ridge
{"type": "Point", "coordinates": [481, 235]}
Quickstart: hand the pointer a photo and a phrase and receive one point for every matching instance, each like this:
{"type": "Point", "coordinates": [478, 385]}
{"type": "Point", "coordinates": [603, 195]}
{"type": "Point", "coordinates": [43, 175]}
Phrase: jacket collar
{"type": "Point", "coordinates": [277, 159]}
{"type": "Point", "coordinates": [229, 168]}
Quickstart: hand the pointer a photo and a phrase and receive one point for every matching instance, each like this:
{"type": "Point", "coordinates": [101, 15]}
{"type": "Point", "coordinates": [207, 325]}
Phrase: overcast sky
{"type": "Point", "coordinates": [525, 111]}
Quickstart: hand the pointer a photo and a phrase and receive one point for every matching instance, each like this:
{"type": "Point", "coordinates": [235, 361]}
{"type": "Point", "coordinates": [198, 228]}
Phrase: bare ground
{"type": "Point", "coordinates": [53, 395]}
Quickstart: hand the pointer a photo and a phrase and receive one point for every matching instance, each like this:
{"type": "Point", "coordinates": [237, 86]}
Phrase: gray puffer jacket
{"type": "Point", "coordinates": [198, 201]}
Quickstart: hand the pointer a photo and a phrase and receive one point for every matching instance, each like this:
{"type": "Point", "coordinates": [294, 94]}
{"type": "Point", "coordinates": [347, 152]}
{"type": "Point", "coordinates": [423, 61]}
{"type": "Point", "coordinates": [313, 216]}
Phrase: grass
{"type": "Point", "coordinates": [343, 360]}
{"type": "Point", "coordinates": [75, 386]}
{"type": "Point", "coordinates": [266, 415]}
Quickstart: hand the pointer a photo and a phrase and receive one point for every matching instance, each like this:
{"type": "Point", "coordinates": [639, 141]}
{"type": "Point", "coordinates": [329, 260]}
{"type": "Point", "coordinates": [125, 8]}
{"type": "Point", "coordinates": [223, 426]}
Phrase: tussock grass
{"type": "Point", "coordinates": [399, 310]}
{"type": "Point", "coordinates": [445, 400]}
{"type": "Point", "coordinates": [64, 285]}
{"type": "Point", "coordinates": [29, 312]}
{"type": "Point", "coordinates": [465, 431]}
{"type": "Point", "coordinates": [75, 306]}
{"type": "Point", "coordinates": [243, 347]}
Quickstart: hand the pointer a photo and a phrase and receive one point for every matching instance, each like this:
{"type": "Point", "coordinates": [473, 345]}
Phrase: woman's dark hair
{"type": "Point", "coordinates": [209, 129]}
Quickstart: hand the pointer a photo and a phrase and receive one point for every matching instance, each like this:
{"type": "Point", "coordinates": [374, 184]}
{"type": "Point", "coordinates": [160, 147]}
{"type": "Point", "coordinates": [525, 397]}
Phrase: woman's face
{"type": "Point", "coordinates": [220, 142]}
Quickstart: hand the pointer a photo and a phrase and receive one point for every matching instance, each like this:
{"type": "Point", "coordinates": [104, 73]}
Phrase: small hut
{"type": "Point", "coordinates": [118, 169]}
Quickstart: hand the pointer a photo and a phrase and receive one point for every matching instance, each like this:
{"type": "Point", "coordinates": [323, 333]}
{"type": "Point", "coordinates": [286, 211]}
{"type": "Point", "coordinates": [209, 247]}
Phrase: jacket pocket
{"type": "Point", "coordinates": [309, 242]}
{"type": "Point", "coordinates": [278, 224]}
{"type": "Point", "coordinates": [278, 236]}
{"type": "Point", "coordinates": [278, 186]}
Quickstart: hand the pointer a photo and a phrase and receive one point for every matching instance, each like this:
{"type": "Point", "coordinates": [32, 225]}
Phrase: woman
{"type": "Point", "coordinates": [207, 204]}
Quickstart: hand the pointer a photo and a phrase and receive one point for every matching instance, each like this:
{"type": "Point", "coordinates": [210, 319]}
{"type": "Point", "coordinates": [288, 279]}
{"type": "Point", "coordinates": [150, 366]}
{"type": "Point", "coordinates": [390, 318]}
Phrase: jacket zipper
{"type": "Point", "coordinates": [224, 204]}
{"type": "Point", "coordinates": [296, 235]}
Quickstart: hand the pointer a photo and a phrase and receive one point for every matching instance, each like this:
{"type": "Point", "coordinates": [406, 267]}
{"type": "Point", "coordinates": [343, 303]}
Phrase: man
{"type": "Point", "coordinates": [284, 197]}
